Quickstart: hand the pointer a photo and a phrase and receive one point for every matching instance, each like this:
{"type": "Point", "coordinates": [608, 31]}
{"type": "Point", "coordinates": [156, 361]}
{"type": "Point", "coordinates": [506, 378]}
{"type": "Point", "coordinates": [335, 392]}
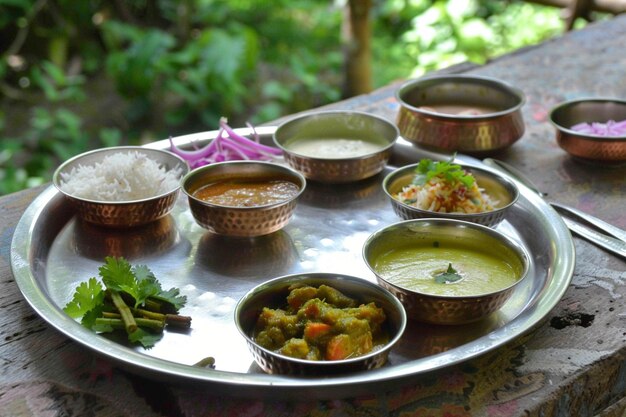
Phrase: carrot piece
{"type": "Point", "coordinates": [313, 330]}
{"type": "Point", "coordinates": [339, 347]}
{"type": "Point", "coordinates": [311, 309]}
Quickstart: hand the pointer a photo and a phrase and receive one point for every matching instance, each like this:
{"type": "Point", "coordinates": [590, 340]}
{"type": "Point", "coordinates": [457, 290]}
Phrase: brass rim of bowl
{"type": "Point", "coordinates": [508, 184]}
{"type": "Point", "coordinates": [512, 244]}
{"type": "Point", "coordinates": [331, 113]}
{"type": "Point", "coordinates": [56, 176]}
{"type": "Point", "coordinates": [289, 172]}
{"type": "Point", "coordinates": [462, 79]}
{"type": "Point", "coordinates": [561, 107]}
{"type": "Point", "coordinates": [322, 276]}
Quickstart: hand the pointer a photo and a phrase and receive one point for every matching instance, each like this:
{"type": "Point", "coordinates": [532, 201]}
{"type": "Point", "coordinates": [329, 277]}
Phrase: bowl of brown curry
{"type": "Point", "coordinates": [243, 198]}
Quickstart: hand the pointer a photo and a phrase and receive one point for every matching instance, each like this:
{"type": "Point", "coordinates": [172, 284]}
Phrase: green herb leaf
{"type": "Point", "coordinates": [89, 319]}
{"type": "Point", "coordinates": [143, 273]}
{"type": "Point", "coordinates": [88, 295]}
{"type": "Point", "coordinates": [147, 284]}
{"type": "Point", "coordinates": [89, 301]}
{"type": "Point", "coordinates": [139, 282]}
{"type": "Point", "coordinates": [173, 297]}
{"type": "Point", "coordinates": [117, 275]}
{"type": "Point", "coordinates": [447, 170]}
{"type": "Point", "coordinates": [421, 171]}
{"type": "Point", "coordinates": [451, 275]}
{"type": "Point", "coordinates": [145, 338]}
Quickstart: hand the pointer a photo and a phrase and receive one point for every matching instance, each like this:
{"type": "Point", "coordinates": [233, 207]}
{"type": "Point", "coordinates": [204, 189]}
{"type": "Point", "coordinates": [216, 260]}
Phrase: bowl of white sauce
{"type": "Point", "coordinates": [337, 146]}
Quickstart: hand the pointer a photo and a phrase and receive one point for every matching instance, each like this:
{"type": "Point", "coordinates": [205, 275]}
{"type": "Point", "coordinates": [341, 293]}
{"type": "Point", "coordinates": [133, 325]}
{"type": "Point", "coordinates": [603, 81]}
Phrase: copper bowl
{"type": "Point", "coordinates": [428, 113]}
{"type": "Point", "coordinates": [241, 221]}
{"type": "Point", "coordinates": [122, 213]}
{"type": "Point", "coordinates": [589, 147]}
{"type": "Point", "coordinates": [500, 188]}
{"type": "Point", "coordinates": [273, 294]}
{"type": "Point", "coordinates": [442, 309]}
{"type": "Point", "coordinates": [351, 126]}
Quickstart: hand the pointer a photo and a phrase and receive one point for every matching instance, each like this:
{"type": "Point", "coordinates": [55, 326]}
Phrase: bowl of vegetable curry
{"type": "Point", "coordinates": [319, 324]}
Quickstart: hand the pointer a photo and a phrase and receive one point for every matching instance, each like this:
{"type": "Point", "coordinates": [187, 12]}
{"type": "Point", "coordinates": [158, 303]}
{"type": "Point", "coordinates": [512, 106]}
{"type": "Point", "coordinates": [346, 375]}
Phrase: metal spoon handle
{"type": "Point", "coordinates": [608, 228]}
{"type": "Point", "coordinates": [607, 242]}
{"type": "Point", "coordinates": [518, 175]}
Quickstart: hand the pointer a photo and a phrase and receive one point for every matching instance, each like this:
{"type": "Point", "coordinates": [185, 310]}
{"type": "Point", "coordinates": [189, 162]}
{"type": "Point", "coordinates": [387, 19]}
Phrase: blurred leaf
{"type": "Point", "coordinates": [55, 84]}
{"type": "Point", "coordinates": [110, 137]}
{"type": "Point", "coordinates": [182, 65]}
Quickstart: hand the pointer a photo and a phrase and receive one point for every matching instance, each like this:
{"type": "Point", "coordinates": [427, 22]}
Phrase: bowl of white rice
{"type": "Point", "coordinates": [121, 186]}
{"type": "Point", "coordinates": [483, 200]}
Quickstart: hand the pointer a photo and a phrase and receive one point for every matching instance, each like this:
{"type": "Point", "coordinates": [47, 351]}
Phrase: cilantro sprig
{"type": "Point", "coordinates": [450, 275]}
{"type": "Point", "coordinates": [427, 169]}
{"type": "Point", "coordinates": [127, 297]}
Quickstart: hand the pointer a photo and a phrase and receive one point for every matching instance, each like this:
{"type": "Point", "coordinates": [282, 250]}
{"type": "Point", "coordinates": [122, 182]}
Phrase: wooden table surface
{"type": "Point", "coordinates": [572, 364]}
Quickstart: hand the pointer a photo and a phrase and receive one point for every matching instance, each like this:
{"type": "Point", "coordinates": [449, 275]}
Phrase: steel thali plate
{"type": "Point", "coordinates": [52, 252]}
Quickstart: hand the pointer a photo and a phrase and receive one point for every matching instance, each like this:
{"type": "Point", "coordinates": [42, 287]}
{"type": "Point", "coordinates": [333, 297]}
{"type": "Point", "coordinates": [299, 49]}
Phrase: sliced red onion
{"type": "Point", "coordinates": [245, 141]}
{"type": "Point", "coordinates": [227, 146]}
{"type": "Point", "coordinates": [610, 128]}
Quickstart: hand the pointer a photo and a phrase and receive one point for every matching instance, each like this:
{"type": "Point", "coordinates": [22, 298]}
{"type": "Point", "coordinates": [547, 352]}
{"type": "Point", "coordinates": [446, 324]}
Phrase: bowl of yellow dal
{"type": "Point", "coordinates": [446, 271]}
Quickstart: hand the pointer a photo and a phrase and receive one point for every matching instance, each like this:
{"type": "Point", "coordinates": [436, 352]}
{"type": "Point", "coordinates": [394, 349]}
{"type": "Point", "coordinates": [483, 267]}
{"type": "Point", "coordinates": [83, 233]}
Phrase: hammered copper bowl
{"type": "Point", "coordinates": [122, 213]}
{"type": "Point", "coordinates": [273, 294]}
{"type": "Point", "coordinates": [499, 188]}
{"type": "Point", "coordinates": [589, 147]}
{"type": "Point", "coordinates": [439, 309]}
{"type": "Point", "coordinates": [427, 118]}
{"type": "Point", "coordinates": [241, 221]}
{"type": "Point", "coordinates": [328, 125]}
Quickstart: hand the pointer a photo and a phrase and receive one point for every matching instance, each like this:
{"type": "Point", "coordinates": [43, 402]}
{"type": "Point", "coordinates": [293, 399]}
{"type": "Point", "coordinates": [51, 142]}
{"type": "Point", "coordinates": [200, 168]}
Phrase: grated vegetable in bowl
{"type": "Point", "coordinates": [120, 177]}
{"type": "Point", "coordinates": [444, 187]}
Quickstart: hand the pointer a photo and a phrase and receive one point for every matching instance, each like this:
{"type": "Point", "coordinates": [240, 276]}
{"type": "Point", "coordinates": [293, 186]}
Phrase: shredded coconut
{"type": "Point", "coordinates": [120, 177]}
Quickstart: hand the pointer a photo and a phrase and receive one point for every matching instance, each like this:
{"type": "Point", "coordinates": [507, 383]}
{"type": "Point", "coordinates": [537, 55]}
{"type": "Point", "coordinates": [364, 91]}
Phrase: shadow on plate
{"type": "Point", "coordinates": [421, 339]}
{"type": "Point", "coordinates": [96, 242]}
{"type": "Point", "coordinates": [330, 196]}
{"type": "Point", "coordinates": [243, 257]}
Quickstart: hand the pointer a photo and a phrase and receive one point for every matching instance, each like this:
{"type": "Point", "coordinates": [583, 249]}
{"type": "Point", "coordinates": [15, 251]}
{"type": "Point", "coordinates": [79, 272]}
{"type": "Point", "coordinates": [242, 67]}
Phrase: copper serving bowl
{"type": "Point", "coordinates": [444, 233]}
{"type": "Point", "coordinates": [349, 126]}
{"type": "Point", "coordinates": [273, 294]}
{"type": "Point", "coordinates": [241, 221]}
{"type": "Point", "coordinates": [585, 146]}
{"type": "Point", "coordinates": [430, 106]}
{"type": "Point", "coordinates": [499, 188]}
{"type": "Point", "coordinates": [122, 213]}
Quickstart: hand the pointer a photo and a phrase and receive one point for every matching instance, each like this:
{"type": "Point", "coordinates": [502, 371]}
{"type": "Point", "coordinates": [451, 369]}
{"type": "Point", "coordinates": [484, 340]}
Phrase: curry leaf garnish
{"type": "Point", "coordinates": [427, 169]}
{"type": "Point", "coordinates": [114, 305]}
{"type": "Point", "coordinates": [451, 275]}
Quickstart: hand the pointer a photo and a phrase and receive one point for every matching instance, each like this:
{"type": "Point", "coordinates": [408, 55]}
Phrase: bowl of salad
{"type": "Point", "coordinates": [444, 189]}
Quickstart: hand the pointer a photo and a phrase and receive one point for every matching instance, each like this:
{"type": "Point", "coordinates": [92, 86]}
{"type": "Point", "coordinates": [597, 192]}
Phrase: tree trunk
{"type": "Point", "coordinates": [357, 48]}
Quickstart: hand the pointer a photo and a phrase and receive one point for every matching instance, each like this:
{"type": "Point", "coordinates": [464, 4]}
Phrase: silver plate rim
{"type": "Point", "coordinates": [275, 386]}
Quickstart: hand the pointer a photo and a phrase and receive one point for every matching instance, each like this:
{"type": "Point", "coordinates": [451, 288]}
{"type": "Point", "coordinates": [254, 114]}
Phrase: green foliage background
{"type": "Point", "coordinates": [76, 75]}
